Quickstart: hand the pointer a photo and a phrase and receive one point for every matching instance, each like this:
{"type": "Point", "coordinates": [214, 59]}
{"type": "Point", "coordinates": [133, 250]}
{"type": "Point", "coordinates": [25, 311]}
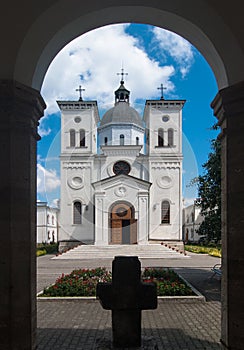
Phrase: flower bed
{"type": "Point", "coordinates": [83, 283]}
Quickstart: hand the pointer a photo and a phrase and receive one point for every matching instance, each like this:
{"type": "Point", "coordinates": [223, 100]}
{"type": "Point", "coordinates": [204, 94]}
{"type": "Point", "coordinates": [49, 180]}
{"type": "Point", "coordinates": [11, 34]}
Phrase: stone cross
{"type": "Point", "coordinates": [126, 296]}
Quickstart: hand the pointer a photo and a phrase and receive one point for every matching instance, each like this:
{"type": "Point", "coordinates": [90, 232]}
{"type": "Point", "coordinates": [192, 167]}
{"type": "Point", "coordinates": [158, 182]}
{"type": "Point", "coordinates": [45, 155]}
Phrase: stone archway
{"type": "Point", "coordinates": [215, 28]}
{"type": "Point", "coordinates": [122, 224]}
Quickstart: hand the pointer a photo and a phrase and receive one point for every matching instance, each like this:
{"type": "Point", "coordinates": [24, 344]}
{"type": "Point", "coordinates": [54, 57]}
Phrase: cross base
{"type": "Point", "coordinates": [126, 325]}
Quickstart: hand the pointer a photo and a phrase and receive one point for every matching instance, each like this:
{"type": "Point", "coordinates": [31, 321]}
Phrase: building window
{"type": "Point", "coordinates": [105, 141]}
{"type": "Point", "coordinates": [165, 219]}
{"type": "Point", "coordinates": [122, 140]}
{"type": "Point", "coordinates": [77, 213]}
{"type": "Point", "coordinates": [170, 137]}
{"type": "Point", "coordinates": [82, 138]}
{"type": "Point", "coordinates": [48, 219]}
{"type": "Point", "coordinates": [72, 137]}
{"type": "Point", "coordinates": [160, 137]}
{"type": "Point", "coordinates": [52, 220]}
{"type": "Point", "coordinates": [137, 140]}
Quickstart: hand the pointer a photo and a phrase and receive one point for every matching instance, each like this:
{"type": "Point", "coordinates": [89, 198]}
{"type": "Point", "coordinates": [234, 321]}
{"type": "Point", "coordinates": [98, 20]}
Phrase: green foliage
{"type": "Point", "coordinates": [41, 252]}
{"type": "Point", "coordinates": [83, 282]}
{"type": "Point", "coordinates": [46, 248]}
{"type": "Point", "coordinates": [209, 191]}
{"type": "Point", "coordinates": [167, 281]}
{"type": "Point", "coordinates": [213, 251]}
{"type": "Point", "coordinates": [78, 283]}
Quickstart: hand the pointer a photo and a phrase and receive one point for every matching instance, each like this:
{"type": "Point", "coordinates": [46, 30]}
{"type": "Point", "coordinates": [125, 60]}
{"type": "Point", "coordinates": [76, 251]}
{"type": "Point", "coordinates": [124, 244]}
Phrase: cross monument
{"type": "Point", "coordinates": [126, 296]}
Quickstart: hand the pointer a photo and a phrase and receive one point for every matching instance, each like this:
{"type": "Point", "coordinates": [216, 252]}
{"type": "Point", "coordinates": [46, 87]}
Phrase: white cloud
{"type": "Point", "coordinates": [42, 131]}
{"type": "Point", "coordinates": [47, 180]}
{"type": "Point", "coordinates": [177, 47]}
{"type": "Point", "coordinates": [97, 56]}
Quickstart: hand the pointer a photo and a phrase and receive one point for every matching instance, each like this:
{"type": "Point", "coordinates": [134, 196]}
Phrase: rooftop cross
{"type": "Point", "coordinates": [122, 75]}
{"type": "Point", "coordinates": [80, 91]}
{"type": "Point", "coordinates": [162, 88]}
{"type": "Point", "coordinates": [126, 296]}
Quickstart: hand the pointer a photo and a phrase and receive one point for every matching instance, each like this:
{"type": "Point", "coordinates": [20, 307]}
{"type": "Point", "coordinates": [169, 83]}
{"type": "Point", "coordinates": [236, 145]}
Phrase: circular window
{"type": "Point", "coordinates": [121, 211]}
{"type": "Point", "coordinates": [165, 118]}
{"type": "Point", "coordinates": [121, 167]}
{"type": "Point", "coordinates": [77, 119]}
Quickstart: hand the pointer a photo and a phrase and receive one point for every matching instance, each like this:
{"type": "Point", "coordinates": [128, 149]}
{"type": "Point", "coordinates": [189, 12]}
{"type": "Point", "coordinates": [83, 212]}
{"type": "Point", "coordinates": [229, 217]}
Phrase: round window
{"type": "Point", "coordinates": [77, 119]}
{"type": "Point", "coordinates": [165, 118]}
{"type": "Point", "coordinates": [121, 167]}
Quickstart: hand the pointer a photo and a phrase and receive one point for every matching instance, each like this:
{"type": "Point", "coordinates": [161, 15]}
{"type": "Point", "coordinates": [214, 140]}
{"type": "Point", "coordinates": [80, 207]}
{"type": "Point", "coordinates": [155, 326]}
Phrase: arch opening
{"type": "Point", "coordinates": [122, 223]}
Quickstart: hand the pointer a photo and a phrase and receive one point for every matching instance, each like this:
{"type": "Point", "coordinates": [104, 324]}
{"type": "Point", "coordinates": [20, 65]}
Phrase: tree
{"type": "Point", "coordinates": [209, 191]}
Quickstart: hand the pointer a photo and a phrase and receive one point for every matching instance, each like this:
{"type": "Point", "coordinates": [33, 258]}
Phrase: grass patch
{"type": "Point", "coordinates": [83, 283]}
{"type": "Point", "coordinates": [213, 251]}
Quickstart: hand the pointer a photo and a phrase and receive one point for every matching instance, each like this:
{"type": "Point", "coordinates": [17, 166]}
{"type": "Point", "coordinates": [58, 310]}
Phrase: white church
{"type": "Point", "coordinates": [121, 176]}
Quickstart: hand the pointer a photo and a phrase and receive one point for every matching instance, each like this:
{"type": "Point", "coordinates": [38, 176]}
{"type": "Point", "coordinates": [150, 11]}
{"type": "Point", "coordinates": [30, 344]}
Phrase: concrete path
{"type": "Point", "coordinates": [67, 325]}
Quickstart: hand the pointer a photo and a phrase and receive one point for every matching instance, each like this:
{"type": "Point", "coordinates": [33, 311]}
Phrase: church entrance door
{"type": "Point", "coordinates": [123, 224]}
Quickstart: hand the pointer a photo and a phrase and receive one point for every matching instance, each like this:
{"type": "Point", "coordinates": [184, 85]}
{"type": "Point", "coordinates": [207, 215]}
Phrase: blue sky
{"type": "Point", "coordinates": [151, 56]}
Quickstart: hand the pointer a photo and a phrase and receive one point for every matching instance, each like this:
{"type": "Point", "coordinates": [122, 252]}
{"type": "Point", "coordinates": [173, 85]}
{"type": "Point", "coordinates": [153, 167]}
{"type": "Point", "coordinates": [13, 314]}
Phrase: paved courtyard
{"type": "Point", "coordinates": [85, 325]}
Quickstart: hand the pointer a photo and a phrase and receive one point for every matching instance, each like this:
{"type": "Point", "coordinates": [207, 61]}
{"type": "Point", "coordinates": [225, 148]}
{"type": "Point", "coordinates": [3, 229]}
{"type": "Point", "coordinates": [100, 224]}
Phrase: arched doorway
{"type": "Point", "coordinates": [122, 224]}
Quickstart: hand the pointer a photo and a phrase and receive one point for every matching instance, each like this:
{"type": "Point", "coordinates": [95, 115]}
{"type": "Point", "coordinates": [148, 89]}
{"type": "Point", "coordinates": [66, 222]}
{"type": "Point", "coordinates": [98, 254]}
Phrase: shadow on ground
{"type": "Point", "coordinates": [93, 339]}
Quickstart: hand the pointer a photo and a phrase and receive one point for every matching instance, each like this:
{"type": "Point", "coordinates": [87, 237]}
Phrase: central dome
{"type": "Point", "coordinates": [122, 113]}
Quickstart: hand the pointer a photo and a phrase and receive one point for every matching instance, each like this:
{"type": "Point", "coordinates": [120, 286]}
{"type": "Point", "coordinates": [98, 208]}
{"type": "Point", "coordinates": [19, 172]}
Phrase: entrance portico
{"type": "Point", "coordinates": [121, 210]}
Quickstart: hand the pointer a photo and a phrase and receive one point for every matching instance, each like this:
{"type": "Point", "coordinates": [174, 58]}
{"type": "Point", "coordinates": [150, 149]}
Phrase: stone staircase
{"type": "Point", "coordinates": [149, 251]}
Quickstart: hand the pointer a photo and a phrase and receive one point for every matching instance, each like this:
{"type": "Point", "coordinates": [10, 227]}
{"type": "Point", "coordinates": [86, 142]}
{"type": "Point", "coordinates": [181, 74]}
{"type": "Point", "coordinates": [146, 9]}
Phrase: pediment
{"type": "Point", "coordinates": [121, 180]}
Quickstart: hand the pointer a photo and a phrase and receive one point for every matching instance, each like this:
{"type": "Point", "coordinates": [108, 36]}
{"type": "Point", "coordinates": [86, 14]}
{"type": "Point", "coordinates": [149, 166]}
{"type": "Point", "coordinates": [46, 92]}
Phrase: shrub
{"type": "Point", "coordinates": [83, 282]}
{"type": "Point", "coordinates": [46, 248]}
{"type": "Point", "coordinates": [41, 252]}
{"type": "Point", "coordinates": [78, 283]}
{"type": "Point", "coordinates": [213, 251]}
{"type": "Point", "coordinates": [167, 281]}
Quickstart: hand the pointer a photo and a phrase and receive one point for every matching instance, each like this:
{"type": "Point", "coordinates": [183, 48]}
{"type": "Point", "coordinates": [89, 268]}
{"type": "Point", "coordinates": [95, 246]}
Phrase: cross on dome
{"type": "Point", "coordinates": [122, 75]}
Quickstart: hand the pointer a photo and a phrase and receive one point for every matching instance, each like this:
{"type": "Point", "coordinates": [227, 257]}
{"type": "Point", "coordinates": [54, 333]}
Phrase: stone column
{"type": "Point", "coordinates": [20, 109]}
{"type": "Point", "coordinates": [228, 107]}
{"type": "Point", "coordinates": [101, 220]}
{"type": "Point", "coordinates": [143, 218]}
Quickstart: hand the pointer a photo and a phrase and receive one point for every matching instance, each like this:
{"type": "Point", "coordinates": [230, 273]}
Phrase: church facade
{"type": "Point", "coordinates": [121, 176]}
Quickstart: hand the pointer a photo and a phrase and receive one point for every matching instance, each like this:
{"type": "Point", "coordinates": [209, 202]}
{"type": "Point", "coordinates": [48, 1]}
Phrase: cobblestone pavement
{"type": "Point", "coordinates": [84, 325]}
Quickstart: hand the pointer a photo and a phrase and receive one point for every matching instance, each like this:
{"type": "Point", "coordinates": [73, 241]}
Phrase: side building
{"type": "Point", "coordinates": [47, 223]}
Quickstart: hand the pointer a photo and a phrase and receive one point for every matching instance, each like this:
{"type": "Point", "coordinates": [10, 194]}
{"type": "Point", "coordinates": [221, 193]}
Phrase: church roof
{"type": "Point", "coordinates": [122, 113]}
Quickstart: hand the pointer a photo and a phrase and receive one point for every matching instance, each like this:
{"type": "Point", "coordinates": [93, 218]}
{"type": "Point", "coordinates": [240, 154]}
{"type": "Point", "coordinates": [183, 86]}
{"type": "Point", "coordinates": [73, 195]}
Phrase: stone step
{"type": "Point", "coordinates": [149, 251]}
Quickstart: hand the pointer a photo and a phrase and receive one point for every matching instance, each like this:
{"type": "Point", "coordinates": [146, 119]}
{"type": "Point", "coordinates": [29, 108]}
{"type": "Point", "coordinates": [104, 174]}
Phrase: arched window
{"type": "Point", "coordinates": [105, 141]}
{"type": "Point", "coordinates": [170, 137]}
{"type": "Point", "coordinates": [160, 137]}
{"type": "Point", "coordinates": [72, 137]}
{"type": "Point", "coordinates": [48, 218]}
{"type": "Point", "coordinates": [137, 140]}
{"type": "Point", "coordinates": [52, 220]}
{"type": "Point", "coordinates": [82, 138]}
{"type": "Point", "coordinates": [77, 213]}
{"type": "Point", "coordinates": [165, 212]}
{"type": "Point", "coordinates": [122, 140]}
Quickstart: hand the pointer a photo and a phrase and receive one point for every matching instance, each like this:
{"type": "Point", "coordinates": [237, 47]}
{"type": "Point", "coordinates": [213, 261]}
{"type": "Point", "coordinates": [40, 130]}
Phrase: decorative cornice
{"type": "Point", "coordinates": [76, 165]}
